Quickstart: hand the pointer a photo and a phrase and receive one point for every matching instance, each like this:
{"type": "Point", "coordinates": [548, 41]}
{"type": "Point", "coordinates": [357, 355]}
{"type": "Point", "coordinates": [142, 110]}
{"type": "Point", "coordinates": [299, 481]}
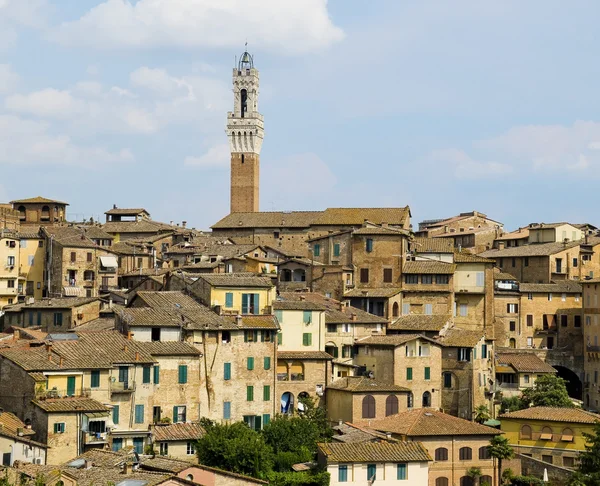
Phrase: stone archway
{"type": "Point", "coordinates": [573, 383]}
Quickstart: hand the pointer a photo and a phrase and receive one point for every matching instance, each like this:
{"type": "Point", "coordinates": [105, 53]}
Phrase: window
{"type": "Point", "coordinates": [226, 410]}
{"type": "Point", "coordinates": [58, 318]}
{"type": "Point", "coordinates": [409, 400]}
{"type": "Point", "coordinates": [409, 374]}
{"type": "Point", "coordinates": [342, 473]}
{"type": "Point", "coordinates": [369, 245]}
{"type": "Point", "coordinates": [267, 363]}
{"type": "Point", "coordinates": [512, 308]}
{"type": "Point", "coordinates": [513, 326]}
{"type": "Point", "coordinates": [442, 482]}
{"type": "Point", "coordinates": [401, 472]}
{"type": "Point", "coordinates": [411, 279]}
{"type": "Point", "coordinates": [95, 379]}
{"type": "Point", "coordinates": [549, 297]}
{"type": "Point", "coordinates": [513, 262]}
{"type": "Point", "coordinates": [484, 352]}
{"type": "Point", "coordinates": [317, 250]}
{"type": "Point", "coordinates": [428, 309]}
{"type": "Point", "coordinates": [59, 428]}
{"type": "Point", "coordinates": [426, 399]}
{"type": "Point", "coordinates": [250, 304]}
{"type": "Point", "coordinates": [574, 262]}
{"type": "Point", "coordinates": [464, 354]}
{"type": "Point", "coordinates": [227, 371]}
{"type": "Point", "coordinates": [405, 309]}
{"type": "Point", "coordinates": [568, 461]}
{"type": "Point", "coordinates": [163, 448]}
{"type": "Point", "coordinates": [564, 320]}
{"type": "Point", "coordinates": [371, 470]}
{"type": "Point", "coordinates": [577, 321]}
{"type": "Point", "coordinates": [368, 407]}
{"type": "Point", "coordinates": [267, 393]}
{"type": "Point", "coordinates": [146, 374]}
{"type": "Point", "coordinates": [480, 279]}
{"type": "Point", "coordinates": [73, 256]}
{"type": "Point", "coordinates": [529, 320]}
{"type": "Point", "coordinates": [30, 260]}
{"type": "Point", "coordinates": [466, 481]}
{"type": "Point", "coordinates": [139, 414]}
{"type": "Point", "coordinates": [546, 433]}
{"type": "Point", "coordinates": [364, 275]}
{"type": "Point", "coordinates": [89, 257]}
{"type": "Point", "coordinates": [10, 284]}
{"type": "Point", "coordinates": [526, 379]}
{"type": "Point", "coordinates": [179, 414]}
{"type": "Point", "coordinates": [331, 327]}
{"type": "Point", "coordinates": [115, 414]}
{"type": "Point", "coordinates": [530, 341]}
{"type": "Point", "coordinates": [250, 363]}
{"type": "Point", "coordinates": [441, 454]}
{"type": "Point", "coordinates": [447, 380]}
{"type": "Point", "coordinates": [463, 310]}
{"type": "Point", "coordinates": [249, 393]}
{"type": "Point", "coordinates": [567, 435]}
{"type": "Point", "coordinates": [529, 296]}
{"type": "Point", "coordinates": [387, 275]}
{"type": "Point", "coordinates": [156, 374]}
{"type": "Point", "coordinates": [190, 449]}
{"type": "Point", "coordinates": [442, 279]}
{"type": "Point", "coordinates": [465, 454]}
{"type": "Point", "coordinates": [229, 299]}
{"type": "Point", "coordinates": [155, 334]}
{"type": "Point", "coordinates": [266, 419]}
{"type": "Point", "coordinates": [306, 317]}
{"type": "Point", "coordinates": [427, 373]}
{"type": "Point", "coordinates": [183, 374]}
{"type": "Point", "coordinates": [547, 458]}
{"type": "Point", "coordinates": [391, 405]}
{"type": "Point", "coordinates": [336, 250]}
{"type": "Point", "coordinates": [427, 279]}
{"type": "Point", "coordinates": [138, 445]}
{"type": "Point", "coordinates": [484, 453]}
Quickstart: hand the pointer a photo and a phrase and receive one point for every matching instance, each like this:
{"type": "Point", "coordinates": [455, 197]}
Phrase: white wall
{"type": "Point", "coordinates": [418, 474]}
{"type": "Point", "coordinates": [145, 333]}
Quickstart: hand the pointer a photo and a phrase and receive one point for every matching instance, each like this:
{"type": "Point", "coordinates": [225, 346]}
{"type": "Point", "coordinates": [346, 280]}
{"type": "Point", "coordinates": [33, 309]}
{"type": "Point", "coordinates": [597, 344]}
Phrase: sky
{"type": "Point", "coordinates": [443, 106]}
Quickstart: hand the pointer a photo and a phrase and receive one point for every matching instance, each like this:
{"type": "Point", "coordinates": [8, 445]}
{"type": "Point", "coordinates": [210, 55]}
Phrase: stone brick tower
{"type": "Point", "coordinates": [245, 131]}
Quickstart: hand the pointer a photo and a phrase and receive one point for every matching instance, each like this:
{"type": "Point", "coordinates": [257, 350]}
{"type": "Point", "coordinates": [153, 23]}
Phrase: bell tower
{"type": "Point", "coordinates": [245, 131]}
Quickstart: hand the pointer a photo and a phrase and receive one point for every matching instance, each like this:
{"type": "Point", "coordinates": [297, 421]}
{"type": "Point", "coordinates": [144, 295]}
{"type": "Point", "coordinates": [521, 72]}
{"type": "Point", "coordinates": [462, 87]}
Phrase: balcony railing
{"type": "Point", "coordinates": [509, 386]}
{"type": "Point", "coordinates": [122, 387]}
{"type": "Point", "coordinates": [95, 438]}
{"type": "Point", "coordinates": [546, 330]}
{"type": "Point", "coordinates": [592, 349]}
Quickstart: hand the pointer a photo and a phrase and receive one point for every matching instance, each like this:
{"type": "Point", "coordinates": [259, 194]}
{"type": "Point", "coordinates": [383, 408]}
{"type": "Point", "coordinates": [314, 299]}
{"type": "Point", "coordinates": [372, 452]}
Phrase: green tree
{"type": "Point", "coordinates": [237, 448]}
{"type": "Point", "coordinates": [474, 473]}
{"type": "Point", "coordinates": [500, 449]}
{"type": "Point", "coordinates": [588, 472]}
{"type": "Point", "coordinates": [511, 404]}
{"type": "Point", "coordinates": [548, 391]}
{"type": "Point", "coordinates": [482, 414]}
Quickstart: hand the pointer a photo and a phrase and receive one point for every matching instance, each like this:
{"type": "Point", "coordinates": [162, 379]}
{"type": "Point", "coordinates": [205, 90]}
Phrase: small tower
{"type": "Point", "coordinates": [245, 131]}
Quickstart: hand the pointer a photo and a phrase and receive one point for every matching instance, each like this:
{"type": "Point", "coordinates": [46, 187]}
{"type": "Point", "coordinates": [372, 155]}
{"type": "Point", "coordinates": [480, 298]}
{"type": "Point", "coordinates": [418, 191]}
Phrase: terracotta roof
{"type": "Point", "coordinates": [167, 464]}
{"type": "Point", "coordinates": [391, 339]}
{"type": "Point", "coordinates": [534, 249]}
{"type": "Point", "coordinates": [236, 280]}
{"type": "Point", "coordinates": [554, 414]}
{"type": "Point", "coordinates": [380, 231]}
{"type": "Point", "coordinates": [347, 432]}
{"type": "Point", "coordinates": [226, 251]}
{"type": "Point", "coordinates": [297, 305]}
{"type": "Point", "coordinates": [275, 219]}
{"type": "Point", "coordinates": [361, 384]}
{"type": "Point", "coordinates": [253, 322]}
{"type": "Point", "coordinates": [53, 303]}
{"type": "Point", "coordinates": [168, 348]}
{"type": "Point", "coordinates": [464, 257]}
{"type": "Point", "coordinates": [124, 211]}
{"type": "Point", "coordinates": [95, 232]}
{"type": "Point", "coordinates": [180, 431]}
{"type": "Point", "coordinates": [145, 272]}
{"type": "Point", "coordinates": [566, 286]}
{"type": "Point", "coordinates": [429, 267]}
{"type": "Point", "coordinates": [504, 276]}
{"type": "Point", "coordinates": [141, 226]}
{"type": "Point", "coordinates": [11, 423]}
{"type": "Point", "coordinates": [71, 404]}
{"type": "Point", "coordinates": [96, 325]}
{"type": "Point", "coordinates": [375, 452]}
{"type": "Point", "coordinates": [461, 338]}
{"type": "Point", "coordinates": [420, 322]}
{"type": "Point", "coordinates": [521, 233]}
{"type": "Point", "coordinates": [37, 199]}
{"type": "Point", "coordinates": [382, 292]}
{"type": "Point", "coordinates": [304, 355]}
{"type": "Point", "coordinates": [523, 362]}
{"type": "Point", "coordinates": [433, 245]}
{"type": "Point", "coordinates": [357, 216]}
{"type": "Point", "coordinates": [28, 236]}
{"type": "Point", "coordinates": [72, 237]}
{"type": "Point", "coordinates": [423, 422]}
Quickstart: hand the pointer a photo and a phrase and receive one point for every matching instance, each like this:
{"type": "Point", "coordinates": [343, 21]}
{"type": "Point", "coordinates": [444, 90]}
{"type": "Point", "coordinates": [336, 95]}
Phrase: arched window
{"type": "Point", "coordinates": [391, 405]}
{"type": "Point", "coordinates": [441, 482]}
{"type": "Point", "coordinates": [368, 407]}
{"type": "Point", "coordinates": [546, 433]}
{"type": "Point", "coordinates": [282, 372]}
{"type": "Point", "coordinates": [409, 400]}
{"type": "Point", "coordinates": [512, 343]}
{"type": "Point", "coordinates": [466, 481]}
{"type": "Point", "coordinates": [441, 454]}
{"type": "Point", "coordinates": [485, 480]}
{"type": "Point", "coordinates": [286, 275]}
{"type": "Point", "coordinates": [287, 403]}
{"type": "Point", "coordinates": [525, 432]}
{"type": "Point", "coordinates": [567, 435]}
{"type": "Point", "coordinates": [484, 453]}
{"type": "Point", "coordinates": [22, 213]}
{"type": "Point", "coordinates": [465, 454]}
{"type": "Point", "coordinates": [45, 213]}
{"type": "Point", "coordinates": [426, 399]}
{"type": "Point", "coordinates": [297, 371]}
{"type": "Point", "coordinates": [395, 310]}
{"type": "Point", "coordinates": [244, 101]}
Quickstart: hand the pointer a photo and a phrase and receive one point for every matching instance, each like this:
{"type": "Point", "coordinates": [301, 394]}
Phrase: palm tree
{"type": "Point", "coordinates": [500, 449]}
{"type": "Point", "coordinates": [474, 473]}
{"type": "Point", "coordinates": [482, 414]}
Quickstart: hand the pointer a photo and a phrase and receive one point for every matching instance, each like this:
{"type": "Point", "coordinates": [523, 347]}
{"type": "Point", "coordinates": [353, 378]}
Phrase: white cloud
{"type": "Point", "coordinates": [217, 157]}
{"type": "Point", "coordinates": [140, 121]}
{"type": "Point", "coordinates": [48, 102]}
{"type": "Point", "coordinates": [30, 142]}
{"type": "Point", "coordinates": [283, 25]}
{"type": "Point", "coordinates": [15, 13]}
{"type": "Point", "coordinates": [8, 78]}
{"type": "Point", "coordinates": [160, 82]}
{"type": "Point", "coordinates": [88, 88]}
{"type": "Point", "coordinates": [465, 167]}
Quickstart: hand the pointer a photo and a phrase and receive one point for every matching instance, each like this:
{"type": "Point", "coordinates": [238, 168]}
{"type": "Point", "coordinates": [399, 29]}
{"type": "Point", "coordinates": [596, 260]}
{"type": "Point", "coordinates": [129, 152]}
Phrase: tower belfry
{"type": "Point", "coordinates": [245, 130]}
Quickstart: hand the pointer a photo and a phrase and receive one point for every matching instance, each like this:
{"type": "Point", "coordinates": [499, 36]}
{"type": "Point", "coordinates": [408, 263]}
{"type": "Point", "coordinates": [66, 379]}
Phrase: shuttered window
{"type": "Point", "coordinates": [229, 299]}
{"type": "Point", "coordinates": [146, 374]}
{"type": "Point", "coordinates": [336, 249]}
{"type": "Point", "coordinates": [427, 373]}
{"type": "Point", "coordinates": [115, 414]}
{"type": "Point", "coordinates": [368, 407]}
{"type": "Point", "coordinates": [183, 374]}
{"type": "Point", "coordinates": [391, 405]}
{"type": "Point", "coordinates": [95, 382]}
{"type": "Point", "coordinates": [226, 410]}
{"type": "Point", "coordinates": [227, 371]}
{"type": "Point", "coordinates": [267, 393]}
{"type": "Point", "coordinates": [250, 363]}
{"type": "Point", "coordinates": [409, 373]}
{"type": "Point", "coordinates": [307, 339]}
{"type": "Point", "coordinates": [156, 375]}
{"type": "Point", "coordinates": [267, 363]}
{"type": "Point", "coordinates": [401, 472]}
{"type": "Point", "coordinates": [250, 393]}
{"type": "Point", "coordinates": [139, 414]}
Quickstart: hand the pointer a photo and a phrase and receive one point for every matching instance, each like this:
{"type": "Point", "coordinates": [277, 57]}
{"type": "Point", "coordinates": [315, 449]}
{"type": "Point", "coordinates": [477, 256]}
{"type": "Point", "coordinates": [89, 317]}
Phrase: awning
{"type": "Point", "coordinates": [96, 415]}
{"type": "Point", "coordinates": [492, 423]}
{"type": "Point", "coordinates": [130, 433]}
{"type": "Point", "coordinates": [74, 291]}
{"type": "Point", "coordinates": [566, 438]}
{"type": "Point", "coordinates": [504, 369]}
{"type": "Point", "coordinates": [109, 262]}
{"type": "Point", "coordinates": [546, 437]}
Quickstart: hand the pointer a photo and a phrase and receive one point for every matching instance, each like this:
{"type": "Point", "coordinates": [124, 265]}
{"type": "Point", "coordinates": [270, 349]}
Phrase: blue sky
{"type": "Point", "coordinates": [444, 106]}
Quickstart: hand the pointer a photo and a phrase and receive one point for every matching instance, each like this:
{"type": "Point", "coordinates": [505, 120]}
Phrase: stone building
{"type": "Point", "coordinates": [176, 440]}
{"type": "Point", "coordinates": [9, 268]}
{"type": "Point", "coordinates": [9, 218]}
{"type": "Point", "coordinates": [40, 211]}
{"type": "Point", "coordinates": [32, 263]}
{"type": "Point", "coordinates": [16, 443]}
{"type": "Point", "coordinates": [517, 370]}
{"type": "Point", "coordinates": [591, 333]}
{"type": "Point", "coordinates": [428, 288]}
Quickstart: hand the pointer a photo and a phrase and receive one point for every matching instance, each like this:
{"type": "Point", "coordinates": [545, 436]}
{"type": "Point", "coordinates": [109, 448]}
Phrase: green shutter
{"type": "Point", "coordinates": [95, 381]}
{"type": "Point", "coordinates": [267, 363]}
{"type": "Point", "coordinates": [266, 419]}
{"type": "Point", "coordinates": [250, 393]}
{"type": "Point", "coordinates": [256, 304]}
{"type": "Point", "coordinates": [156, 375]}
{"type": "Point", "coordinates": [229, 299]}
{"type": "Point", "coordinates": [306, 316]}
{"type": "Point", "coordinates": [115, 414]}
{"type": "Point", "coordinates": [139, 414]}
{"type": "Point", "coordinates": [245, 336]}
{"type": "Point", "coordinates": [427, 373]}
{"type": "Point", "coordinates": [309, 339]}
{"type": "Point", "coordinates": [266, 393]}
{"type": "Point", "coordinates": [305, 339]}
{"type": "Point", "coordinates": [250, 363]}
{"type": "Point", "coordinates": [175, 414]}
{"type": "Point", "coordinates": [227, 371]}
{"type": "Point", "coordinates": [409, 373]}
{"type": "Point", "coordinates": [245, 299]}
{"type": "Point", "coordinates": [317, 250]}
{"type": "Point", "coordinates": [39, 318]}
{"type": "Point", "coordinates": [30, 318]}
{"type": "Point", "coordinates": [226, 410]}
{"type": "Point", "coordinates": [279, 315]}
{"type": "Point", "coordinates": [182, 374]}
{"type": "Point", "coordinates": [401, 474]}
{"type": "Point", "coordinates": [280, 338]}
{"type": "Point", "coordinates": [336, 249]}
{"type": "Point", "coordinates": [146, 374]}
{"type": "Point", "coordinates": [56, 428]}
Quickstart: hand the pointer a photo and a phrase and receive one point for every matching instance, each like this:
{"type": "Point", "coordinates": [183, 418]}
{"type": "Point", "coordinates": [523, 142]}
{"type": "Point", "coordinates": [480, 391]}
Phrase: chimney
{"type": "Point", "coordinates": [60, 361]}
{"type": "Point", "coordinates": [585, 239]}
{"type": "Point", "coordinates": [125, 348]}
{"type": "Point", "coordinates": [353, 316]}
{"type": "Point", "coordinates": [238, 320]}
{"type": "Point", "coordinates": [137, 355]}
{"type": "Point", "coordinates": [48, 348]}
{"type": "Point", "coordinates": [183, 224]}
{"type": "Point", "coordinates": [128, 468]}
{"type": "Point", "coordinates": [501, 245]}
{"type": "Point", "coordinates": [129, 334]}
{"type": "Point", "coordinates": [114, 206]}
{"type": "Point", "coordinates": [384, 225]}
{"type": "Point", "coordinates": [340, 422]}
{"type": "Point", "coordinates": [16, 334]}
{"type": "Point", "coordinates": [87, 464]}
{"type": "Point", "coordinates": [20, 431]}
{"type": "Point", "coordinates": [388, 435]}
{"type": "Point", "coordinates": [302, 298]}
{"type": "Point", "coordinates": [342, 306]}
{"type": "Point", "coordinates": [50, 357]}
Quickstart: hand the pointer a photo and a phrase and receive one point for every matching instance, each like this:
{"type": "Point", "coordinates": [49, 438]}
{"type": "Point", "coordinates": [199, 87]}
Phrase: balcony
{"type": "Point", "coordinates": [546, 330]}
{"type": "Point", "coordinates": [94, 438]}
{"type": "Point", "coordinates": [122, 387]}
{"type": "Point", "coordinates": [470, 289]}
{"type": "Point", "coordinates": [508, 386]}
{"type": "Point", "coordinates": [592, 349]}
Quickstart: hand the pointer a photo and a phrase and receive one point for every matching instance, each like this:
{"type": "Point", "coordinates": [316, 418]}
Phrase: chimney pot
{"type": "Point", "coordinates": [137, 356]}
{"type": "Point", "coordinates": [129, 334]}
{"type": "Point", "coordinates": [353, 316]}
{"type": "Point", "coordinates": [340, 422]}
{"type": "Point", "coordinates": [302, 297]}
{"type": "Point", "coordinates": [125, 348]}
{"type": "Point", "coordinates": [183, 224]}
{"type": "Point", "coordinates": [501, 245]}
{"type": "Point", "coordinates": [114, 206]}
{"type": "Point", "coordinates": [238, 320]}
